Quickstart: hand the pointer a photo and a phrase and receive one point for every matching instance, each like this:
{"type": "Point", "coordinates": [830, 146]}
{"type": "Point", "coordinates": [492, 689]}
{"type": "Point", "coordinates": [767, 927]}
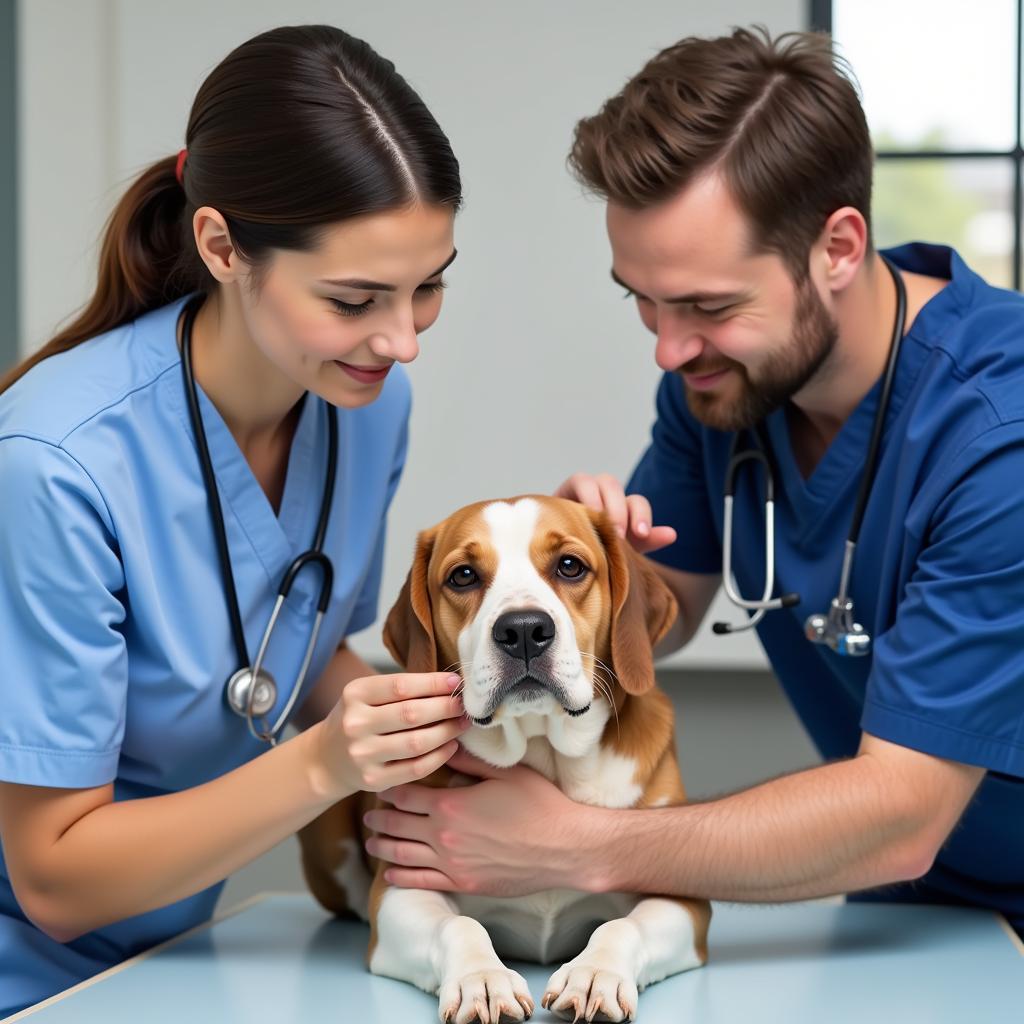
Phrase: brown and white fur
{"type": "Point", "coordinates": [567, 687]}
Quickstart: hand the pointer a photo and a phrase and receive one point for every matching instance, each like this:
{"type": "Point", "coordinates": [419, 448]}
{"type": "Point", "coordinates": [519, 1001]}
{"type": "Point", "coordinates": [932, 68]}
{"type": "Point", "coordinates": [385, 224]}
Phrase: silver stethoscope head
{"type": "Point", "coordinates": [837, 628]}
{"type": "Point", "coordinates": [251, 692]}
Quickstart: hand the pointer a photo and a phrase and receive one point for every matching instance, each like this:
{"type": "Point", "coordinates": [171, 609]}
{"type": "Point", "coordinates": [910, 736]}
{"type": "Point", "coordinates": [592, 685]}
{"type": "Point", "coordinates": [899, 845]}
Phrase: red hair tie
{"type": "Point", "coordinates": [180, 168]}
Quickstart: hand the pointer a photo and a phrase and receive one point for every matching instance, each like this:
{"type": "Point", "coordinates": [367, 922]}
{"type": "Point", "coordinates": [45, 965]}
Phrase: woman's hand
{"type": "Point", "coordinates": [630, 514]}
{"type": "Point", "coordinates": [390, 729]}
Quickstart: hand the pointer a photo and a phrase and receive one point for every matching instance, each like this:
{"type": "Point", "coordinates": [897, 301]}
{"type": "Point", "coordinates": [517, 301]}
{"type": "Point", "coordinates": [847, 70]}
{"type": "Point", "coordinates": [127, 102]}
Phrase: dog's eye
{"type": "Point", "coordinates": [462, 576]}
{"type": "Point", "coordinates": [571, 568]}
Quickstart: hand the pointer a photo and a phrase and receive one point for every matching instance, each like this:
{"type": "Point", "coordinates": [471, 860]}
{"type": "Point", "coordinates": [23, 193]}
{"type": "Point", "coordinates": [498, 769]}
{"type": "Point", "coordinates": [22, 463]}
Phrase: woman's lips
{"type": "Point", "coordinates": [363, 374]}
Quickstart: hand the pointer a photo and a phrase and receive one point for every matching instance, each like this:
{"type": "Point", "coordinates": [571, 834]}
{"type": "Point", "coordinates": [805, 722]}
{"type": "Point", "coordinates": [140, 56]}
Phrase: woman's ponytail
{"type": "Point", "coordinates": [145, 262]}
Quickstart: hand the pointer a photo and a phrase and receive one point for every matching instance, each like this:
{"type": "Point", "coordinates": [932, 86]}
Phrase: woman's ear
{"type": "Point", "coordinates": [409, 628]}
{"type": "Point", "coordinates": [643, 609]}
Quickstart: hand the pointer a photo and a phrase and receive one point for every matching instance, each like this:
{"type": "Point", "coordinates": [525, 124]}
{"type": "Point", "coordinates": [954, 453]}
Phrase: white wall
{"type": "Point", "coordinates": [537, 367]}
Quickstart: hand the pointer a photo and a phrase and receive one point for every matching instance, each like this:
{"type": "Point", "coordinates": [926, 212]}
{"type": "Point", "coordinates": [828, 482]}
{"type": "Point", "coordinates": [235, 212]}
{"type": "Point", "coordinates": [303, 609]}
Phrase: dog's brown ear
{"type": "Point", "coordinates": [643, 609]}
{"type": "Point", "coordinates": [409, 628]}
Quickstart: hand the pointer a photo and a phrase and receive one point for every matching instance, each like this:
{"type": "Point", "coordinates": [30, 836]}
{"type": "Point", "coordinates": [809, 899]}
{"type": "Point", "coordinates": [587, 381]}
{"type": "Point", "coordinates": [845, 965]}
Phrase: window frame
{"type": "Point", "coordinates": [820, 13]}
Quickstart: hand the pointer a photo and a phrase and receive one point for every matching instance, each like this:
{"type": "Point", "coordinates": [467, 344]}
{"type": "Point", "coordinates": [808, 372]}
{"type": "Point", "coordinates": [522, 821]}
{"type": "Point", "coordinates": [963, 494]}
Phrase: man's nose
{"type": "Point", "coordinates": [677, 343]}
{"type": "Point", "coordinates": [524, 634]}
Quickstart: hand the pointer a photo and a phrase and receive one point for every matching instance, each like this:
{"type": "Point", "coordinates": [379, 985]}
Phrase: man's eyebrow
{"type": "Point", "coordinates": [695, 297]}
{"type": "Point", "coordinates": [380, 286]}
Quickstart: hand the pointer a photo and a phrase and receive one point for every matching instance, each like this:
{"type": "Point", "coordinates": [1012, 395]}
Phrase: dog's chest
{"type": "Point", "coordinates": [556, 924]}
{"type": "Point", "coordinates": [547, 926]}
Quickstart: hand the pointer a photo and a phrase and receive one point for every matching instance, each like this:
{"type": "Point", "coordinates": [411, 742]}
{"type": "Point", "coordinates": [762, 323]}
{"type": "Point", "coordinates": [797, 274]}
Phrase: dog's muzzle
{"type": "Point", "coordinates": [526, 635]}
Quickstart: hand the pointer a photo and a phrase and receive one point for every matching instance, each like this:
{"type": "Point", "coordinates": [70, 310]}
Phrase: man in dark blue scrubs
{"type": "Point", "coordinates": [737, 174]}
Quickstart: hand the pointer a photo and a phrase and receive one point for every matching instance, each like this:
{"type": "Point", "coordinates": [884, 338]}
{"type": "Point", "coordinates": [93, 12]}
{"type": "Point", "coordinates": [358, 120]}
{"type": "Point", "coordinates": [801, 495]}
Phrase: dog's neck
{"type": "Point", "coordinates": [508, 741]}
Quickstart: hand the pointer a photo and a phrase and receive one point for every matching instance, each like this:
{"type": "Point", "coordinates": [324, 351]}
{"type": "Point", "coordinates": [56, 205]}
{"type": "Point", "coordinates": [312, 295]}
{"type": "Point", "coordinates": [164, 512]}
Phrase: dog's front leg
{"type": "Point", "coordinates": [659, 937]}
{"type": "Point", "coordinates": [419, 936]}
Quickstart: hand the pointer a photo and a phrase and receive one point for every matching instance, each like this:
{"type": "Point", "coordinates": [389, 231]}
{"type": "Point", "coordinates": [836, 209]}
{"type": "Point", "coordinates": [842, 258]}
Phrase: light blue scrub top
{"type": "Point", "coordinates": [116, 642]}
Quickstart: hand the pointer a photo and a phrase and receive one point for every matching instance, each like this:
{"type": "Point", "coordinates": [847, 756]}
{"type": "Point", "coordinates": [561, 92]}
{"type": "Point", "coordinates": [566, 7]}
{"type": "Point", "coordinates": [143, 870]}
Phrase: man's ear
{"type": "Point", "coordinates": [409, 628]}
{"type": "Point", "coordinates": [643, 609]}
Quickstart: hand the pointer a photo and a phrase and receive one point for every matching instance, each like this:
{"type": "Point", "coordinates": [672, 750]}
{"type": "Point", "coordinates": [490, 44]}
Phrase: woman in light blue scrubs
{"type": "Point", "coordinates": [311, 213]}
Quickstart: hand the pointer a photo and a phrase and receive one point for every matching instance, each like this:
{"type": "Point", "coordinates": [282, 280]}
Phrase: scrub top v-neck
{"type": "Point", "coordinates": [116, 636]}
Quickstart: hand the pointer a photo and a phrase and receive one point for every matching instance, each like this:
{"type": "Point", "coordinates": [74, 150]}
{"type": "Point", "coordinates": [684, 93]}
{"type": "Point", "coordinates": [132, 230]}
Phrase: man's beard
{"type": "Point", "coordinates": [786, 372]}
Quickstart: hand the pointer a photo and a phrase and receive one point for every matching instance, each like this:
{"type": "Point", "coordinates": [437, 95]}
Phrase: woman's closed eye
{"type": "Point", "coordinates": [358, 308]}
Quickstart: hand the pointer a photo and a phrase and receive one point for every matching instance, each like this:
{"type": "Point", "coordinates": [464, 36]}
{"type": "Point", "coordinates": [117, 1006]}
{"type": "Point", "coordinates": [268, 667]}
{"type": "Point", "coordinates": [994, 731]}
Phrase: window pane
{"type": "Point", "coordinates": [934, 74]}
{"type": "Point", "coordinates": [967, 204]}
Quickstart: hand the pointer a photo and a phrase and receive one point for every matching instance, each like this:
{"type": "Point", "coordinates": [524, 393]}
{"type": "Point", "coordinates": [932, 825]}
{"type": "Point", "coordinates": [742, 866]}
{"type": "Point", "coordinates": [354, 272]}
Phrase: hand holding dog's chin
{"type": "Point", "coordinates": [511, 834]}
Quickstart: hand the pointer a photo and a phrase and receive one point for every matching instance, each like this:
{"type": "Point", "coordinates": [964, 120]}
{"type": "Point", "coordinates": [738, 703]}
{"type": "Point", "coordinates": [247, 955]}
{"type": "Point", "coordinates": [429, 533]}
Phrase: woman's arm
{"type": "Point", "coordinates": [79, 861]}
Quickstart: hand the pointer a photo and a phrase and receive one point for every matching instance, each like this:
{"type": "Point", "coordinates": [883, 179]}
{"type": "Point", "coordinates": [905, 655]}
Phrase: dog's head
{"type": "Point", "coordinates": [537, 603]}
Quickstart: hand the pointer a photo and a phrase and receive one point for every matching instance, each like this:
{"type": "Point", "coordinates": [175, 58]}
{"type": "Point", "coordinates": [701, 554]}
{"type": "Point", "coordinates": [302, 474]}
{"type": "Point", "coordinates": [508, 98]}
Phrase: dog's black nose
{"type": "Point", "coordinates": [524, 634]}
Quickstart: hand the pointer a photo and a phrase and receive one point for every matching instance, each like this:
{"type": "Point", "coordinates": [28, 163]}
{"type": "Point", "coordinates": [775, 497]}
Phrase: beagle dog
{"type": "Point", "coordinates": [550, 619]}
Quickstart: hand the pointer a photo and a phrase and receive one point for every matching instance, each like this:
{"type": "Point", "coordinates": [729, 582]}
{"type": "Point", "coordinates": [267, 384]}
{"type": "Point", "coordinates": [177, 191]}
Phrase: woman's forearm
{"type": "Point", "coordinates": [128, 857]}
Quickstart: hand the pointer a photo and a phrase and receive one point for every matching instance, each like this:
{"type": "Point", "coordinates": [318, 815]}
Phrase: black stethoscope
{"type": "Point", "coordinates": [836, 629]}
{"type": "Point", "coordinates": [251, 690]}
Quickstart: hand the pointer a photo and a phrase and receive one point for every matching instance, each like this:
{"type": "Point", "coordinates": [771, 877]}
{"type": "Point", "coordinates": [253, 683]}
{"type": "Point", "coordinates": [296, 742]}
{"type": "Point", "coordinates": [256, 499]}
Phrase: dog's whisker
{"type": "Point", "coordinates": [603, 685]}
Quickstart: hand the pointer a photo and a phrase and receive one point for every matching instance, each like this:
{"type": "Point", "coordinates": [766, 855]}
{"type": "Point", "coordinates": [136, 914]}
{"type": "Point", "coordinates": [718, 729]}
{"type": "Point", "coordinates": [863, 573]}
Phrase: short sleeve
{"type": "Point", "coordinates": [64, 681]}
{"type": "Point", "coordinates": [671, 475]}
{"type": "Point", "coordinates": [364, 613]}
{"type": "Point", "coordinates": [948, 677]}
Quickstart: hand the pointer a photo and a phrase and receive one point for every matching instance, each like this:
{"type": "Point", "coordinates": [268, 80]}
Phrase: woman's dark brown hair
{"type": "Point", "coordinates": [296, 129]}
{"type": "Point", "coordinates": [779, 119]}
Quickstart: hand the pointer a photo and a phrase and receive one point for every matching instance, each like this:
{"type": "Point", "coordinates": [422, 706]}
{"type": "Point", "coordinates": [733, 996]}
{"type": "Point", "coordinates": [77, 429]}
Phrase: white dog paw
{"type": "Point", "coordinates": [592, 989]}
{"type": "Point", "coordinates": [489, 996]}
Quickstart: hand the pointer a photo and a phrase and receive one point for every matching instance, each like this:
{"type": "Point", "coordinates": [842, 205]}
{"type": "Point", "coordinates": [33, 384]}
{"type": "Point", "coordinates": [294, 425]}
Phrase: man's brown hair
{"type": "Point", "coordinates": [779, 119]}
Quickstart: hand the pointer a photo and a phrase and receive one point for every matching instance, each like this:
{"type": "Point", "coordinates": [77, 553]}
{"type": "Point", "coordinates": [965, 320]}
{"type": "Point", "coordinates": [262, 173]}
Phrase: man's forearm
{"type": "Point", "coordinates": [831, 829]}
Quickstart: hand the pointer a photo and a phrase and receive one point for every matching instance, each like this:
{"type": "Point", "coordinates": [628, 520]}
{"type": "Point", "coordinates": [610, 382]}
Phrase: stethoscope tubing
{"type": "Point", "coordinates": [314, 556]}
{"type": "Point", "coordinates": [759, 454]}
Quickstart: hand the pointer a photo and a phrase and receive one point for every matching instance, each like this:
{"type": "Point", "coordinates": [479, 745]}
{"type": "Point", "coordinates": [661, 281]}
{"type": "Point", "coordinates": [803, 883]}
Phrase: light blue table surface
{"type": "Point", "coordinates": [280, 958]}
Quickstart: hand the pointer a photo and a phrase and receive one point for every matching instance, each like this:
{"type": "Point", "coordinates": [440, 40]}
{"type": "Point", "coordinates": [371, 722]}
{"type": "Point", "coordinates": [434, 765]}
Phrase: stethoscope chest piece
{"type": "Point", "coordinates": [838, 630]}
{"type": "Point", "coordinates": [241, 690]}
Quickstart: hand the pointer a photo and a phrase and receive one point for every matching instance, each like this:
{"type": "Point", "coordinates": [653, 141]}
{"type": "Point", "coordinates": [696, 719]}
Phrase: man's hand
{"type": "Point", "coordinates": [629, 514]}
{"type": "Point", "coordinates": [511, 834]}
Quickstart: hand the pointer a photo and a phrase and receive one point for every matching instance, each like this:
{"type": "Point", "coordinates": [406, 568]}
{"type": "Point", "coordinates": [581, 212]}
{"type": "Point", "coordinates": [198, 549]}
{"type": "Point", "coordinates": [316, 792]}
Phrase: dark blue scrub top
{"type": "Point", "coordinates": [938, 575]}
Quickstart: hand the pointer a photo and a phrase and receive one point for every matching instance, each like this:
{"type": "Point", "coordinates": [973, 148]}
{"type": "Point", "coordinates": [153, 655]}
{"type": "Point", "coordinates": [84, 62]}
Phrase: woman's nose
{"type": "Point", "coordinates": [398, 342]}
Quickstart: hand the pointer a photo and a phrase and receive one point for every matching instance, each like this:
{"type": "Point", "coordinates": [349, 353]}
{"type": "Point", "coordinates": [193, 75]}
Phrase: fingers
{"type": "Point", "coordinates": [601, 492]}
{"type": "Point", "coordinates": [639, 516]}
{"type": "Point", "coordinates": [376, 777]}
{"type": "Point", "coordinates": [630, 514]}
{"type": "Point", "coordinates": [659, 537]}
{"type": "Point", "coordinates": [419, 878]}
{"type": "Point", "coordinates": [411, 714]}
{"type": "Point", "coordinates": [417, 799]}
{"type": "Point", "coordinates": [613, 499]}
{"type": "Point", "coordinates": [402, 686]}
{"type": "Point", "coordinates": [414, 742]}
{"type": "Point", "coordinates": [401, 851]}
{"type": "Point", "coordinates": [399, 824]}
{"type": "Point", "coordinates": [582, 488]}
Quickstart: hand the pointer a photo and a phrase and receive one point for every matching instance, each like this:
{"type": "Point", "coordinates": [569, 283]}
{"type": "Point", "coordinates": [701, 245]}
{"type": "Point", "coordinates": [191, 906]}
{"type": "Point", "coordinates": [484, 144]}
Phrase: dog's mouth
{"type": "Point", "coordinates": [527, 689]}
